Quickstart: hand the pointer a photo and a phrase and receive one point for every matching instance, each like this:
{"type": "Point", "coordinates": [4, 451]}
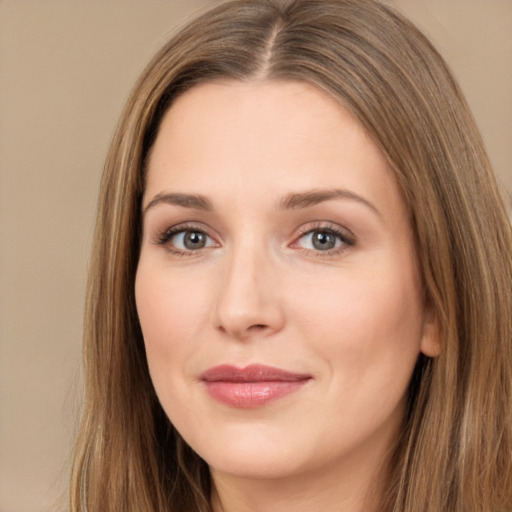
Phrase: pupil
{"type": "Point", "coordinates": [323, 241]}
{"type": "Point", "coordinates": [194, 240]}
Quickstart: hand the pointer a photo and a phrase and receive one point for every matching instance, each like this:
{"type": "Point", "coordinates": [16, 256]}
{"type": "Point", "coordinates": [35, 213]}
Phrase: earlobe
{"type": "Point", "coordinates": [431, 338]}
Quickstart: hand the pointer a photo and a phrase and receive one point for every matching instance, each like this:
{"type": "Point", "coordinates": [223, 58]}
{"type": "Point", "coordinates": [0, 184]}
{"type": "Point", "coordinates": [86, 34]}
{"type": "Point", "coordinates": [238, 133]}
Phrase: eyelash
{"type": "Point", "coordinates": [166, 236]}
{"type": "Point", "coordinates": [347, 239]}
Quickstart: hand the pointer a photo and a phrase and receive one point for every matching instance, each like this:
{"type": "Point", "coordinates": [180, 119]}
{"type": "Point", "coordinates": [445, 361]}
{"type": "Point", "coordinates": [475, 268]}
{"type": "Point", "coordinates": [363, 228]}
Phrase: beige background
{"type": "Point", "coordinates": [66, 68]}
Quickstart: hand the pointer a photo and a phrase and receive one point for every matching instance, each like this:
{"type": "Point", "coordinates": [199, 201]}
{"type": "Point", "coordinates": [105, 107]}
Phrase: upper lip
{"type": "Point", "coordinates": [251, 373]}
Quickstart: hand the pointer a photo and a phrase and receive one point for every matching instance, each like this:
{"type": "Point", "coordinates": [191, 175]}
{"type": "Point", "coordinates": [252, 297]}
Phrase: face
{"type": "Point", "coordinates": [277, 288]}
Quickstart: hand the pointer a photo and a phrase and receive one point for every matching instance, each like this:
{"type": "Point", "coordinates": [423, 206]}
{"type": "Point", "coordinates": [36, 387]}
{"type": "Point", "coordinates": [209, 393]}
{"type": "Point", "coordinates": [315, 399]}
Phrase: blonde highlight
{"type": "Point", "coordinates": [382, 69]}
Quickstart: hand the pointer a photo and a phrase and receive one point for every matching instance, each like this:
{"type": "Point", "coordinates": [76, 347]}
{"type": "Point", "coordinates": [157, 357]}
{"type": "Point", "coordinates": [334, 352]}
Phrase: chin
{"type": "Point", "coordinates": [256, 466]}
{"type": "Point", "coordinates": [253, 454]}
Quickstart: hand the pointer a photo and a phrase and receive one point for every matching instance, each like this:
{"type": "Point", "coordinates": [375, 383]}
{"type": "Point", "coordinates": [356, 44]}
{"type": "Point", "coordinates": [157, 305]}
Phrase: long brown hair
{"type": "Point", "coordinates": [455, 451]}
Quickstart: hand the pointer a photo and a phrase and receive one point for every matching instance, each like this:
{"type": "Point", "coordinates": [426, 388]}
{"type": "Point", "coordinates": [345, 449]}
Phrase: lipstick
{"type": "Point", "coordinates": [252, 386]}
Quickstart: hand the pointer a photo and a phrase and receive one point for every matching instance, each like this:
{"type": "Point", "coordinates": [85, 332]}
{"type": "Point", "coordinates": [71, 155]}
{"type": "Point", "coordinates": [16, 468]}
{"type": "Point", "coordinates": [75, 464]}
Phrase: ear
{"type": "Point", "coordinates": [431, 339]}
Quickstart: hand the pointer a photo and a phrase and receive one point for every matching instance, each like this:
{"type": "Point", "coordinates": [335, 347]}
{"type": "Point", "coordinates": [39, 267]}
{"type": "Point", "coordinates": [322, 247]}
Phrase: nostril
{"type": "Point", "coordinates": [258, 327]}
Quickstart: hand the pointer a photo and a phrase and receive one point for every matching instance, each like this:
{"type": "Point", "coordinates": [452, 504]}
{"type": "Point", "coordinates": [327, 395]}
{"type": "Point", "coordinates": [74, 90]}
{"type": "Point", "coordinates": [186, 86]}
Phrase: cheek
{"type": "Point", "coordinates": [172, 313]}
{"type": "Point", "coordinates": [369, 323]}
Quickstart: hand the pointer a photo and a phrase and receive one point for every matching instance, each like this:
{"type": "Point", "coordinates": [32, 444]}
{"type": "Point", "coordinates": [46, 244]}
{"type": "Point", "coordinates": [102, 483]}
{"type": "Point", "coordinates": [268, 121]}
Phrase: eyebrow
{"type": "Point", "coordinates": [311, 198]}
{"type": "Point", "coordinates": [294, 201]}
{"type": "Point", "coordinates": [196, 202]}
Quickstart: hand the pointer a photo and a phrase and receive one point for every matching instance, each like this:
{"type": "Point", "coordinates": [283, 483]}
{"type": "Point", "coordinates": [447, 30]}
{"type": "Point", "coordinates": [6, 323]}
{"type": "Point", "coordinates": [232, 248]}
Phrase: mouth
{"type": "Point", "coordinates": [252, 386]}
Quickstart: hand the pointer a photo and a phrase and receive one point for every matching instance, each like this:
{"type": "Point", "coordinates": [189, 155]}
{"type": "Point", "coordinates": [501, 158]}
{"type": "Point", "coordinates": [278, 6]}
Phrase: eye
{"type": "Point", "coordinates": [185, 240]}
{"type": "Point", "coordinates": [320, 240]}
{"type": "Point", "coordinates": [324, 239]}
{"type": "Point", "coordinates": [191, 240]}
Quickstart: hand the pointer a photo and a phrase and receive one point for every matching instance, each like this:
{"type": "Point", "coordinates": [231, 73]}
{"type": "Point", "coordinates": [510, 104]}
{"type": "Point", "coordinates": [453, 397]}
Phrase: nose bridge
{"type": "Point", "coordinates": [248, 301]}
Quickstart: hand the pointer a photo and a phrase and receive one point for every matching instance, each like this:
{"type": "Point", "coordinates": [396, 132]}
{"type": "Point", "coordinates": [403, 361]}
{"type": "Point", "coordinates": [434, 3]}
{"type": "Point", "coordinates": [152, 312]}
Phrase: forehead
{"type": "Point", "coordinates": [271, 112]}
{"type": "Point", "coordinates": [267, 137]}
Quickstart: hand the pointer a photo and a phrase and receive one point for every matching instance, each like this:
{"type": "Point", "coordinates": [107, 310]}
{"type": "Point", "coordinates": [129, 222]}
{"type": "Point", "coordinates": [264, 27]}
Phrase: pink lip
{"type": "Point", "coordinates": [252, 386]}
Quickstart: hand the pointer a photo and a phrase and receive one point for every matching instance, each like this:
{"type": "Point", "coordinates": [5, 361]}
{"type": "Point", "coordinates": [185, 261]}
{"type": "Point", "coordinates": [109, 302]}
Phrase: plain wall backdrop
{"type": "Point", "coordinates": [66, 68]}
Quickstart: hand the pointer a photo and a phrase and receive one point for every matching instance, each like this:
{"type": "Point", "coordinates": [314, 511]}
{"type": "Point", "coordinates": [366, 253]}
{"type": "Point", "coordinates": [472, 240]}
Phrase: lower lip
{"type": "Point", "coordinates": [248, 395]}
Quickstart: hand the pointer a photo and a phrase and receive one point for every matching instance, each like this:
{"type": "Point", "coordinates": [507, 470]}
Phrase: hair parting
{"type": "Point", "coordinates": [455, 451]}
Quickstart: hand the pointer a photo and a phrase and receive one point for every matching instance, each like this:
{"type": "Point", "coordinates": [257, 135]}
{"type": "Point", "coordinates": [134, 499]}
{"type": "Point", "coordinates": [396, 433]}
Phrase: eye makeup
{"type": "Point", "coordinates": [319, 239]}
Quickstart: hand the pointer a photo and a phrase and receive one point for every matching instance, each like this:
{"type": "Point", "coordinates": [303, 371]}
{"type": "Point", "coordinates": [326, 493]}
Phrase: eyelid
{"type": "Point", "coordinates": [164, 237]}
{"type": "Point", "coordinates": [346, 236]}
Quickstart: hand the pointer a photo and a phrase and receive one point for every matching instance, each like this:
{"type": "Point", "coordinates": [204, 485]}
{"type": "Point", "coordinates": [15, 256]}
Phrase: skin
{"type": "Point", "coordinates": [351, 317]}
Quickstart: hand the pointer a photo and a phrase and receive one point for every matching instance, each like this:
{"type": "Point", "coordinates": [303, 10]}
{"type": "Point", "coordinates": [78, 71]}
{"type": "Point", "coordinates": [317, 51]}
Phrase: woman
{"type": "Point", "coordinates": [300, 290]}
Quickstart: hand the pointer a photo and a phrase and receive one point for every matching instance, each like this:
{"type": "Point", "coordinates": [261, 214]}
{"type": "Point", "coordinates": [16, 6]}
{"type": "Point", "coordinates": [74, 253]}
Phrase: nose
{"type": "Point", "coordinates": [249, 304]}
